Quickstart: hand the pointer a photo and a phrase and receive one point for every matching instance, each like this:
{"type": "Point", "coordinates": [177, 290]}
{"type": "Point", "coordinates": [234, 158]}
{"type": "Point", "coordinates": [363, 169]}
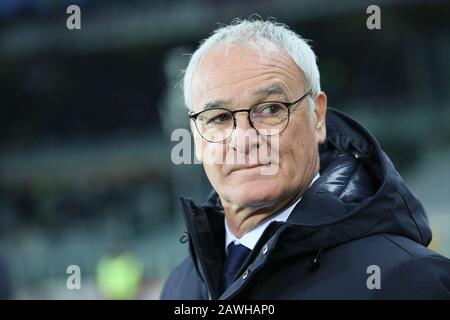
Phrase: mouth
{"type": "Point", "coordinates": [247, 167]}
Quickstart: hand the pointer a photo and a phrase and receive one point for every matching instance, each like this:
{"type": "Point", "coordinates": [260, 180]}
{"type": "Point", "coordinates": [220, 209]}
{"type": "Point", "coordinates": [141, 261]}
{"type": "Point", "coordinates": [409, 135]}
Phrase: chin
{"type": "Point", "coordinates": [253, 192]}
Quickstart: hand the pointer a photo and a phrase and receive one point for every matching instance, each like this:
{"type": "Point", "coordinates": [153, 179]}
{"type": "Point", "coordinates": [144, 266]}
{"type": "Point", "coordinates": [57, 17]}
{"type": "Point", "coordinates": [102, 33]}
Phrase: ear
{"type": "Point", "coordinates": [320, 110]}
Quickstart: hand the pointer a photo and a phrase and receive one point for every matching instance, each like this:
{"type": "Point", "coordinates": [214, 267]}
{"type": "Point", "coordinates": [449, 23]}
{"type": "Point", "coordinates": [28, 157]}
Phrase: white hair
{"type": "Point", "coordinates": [257, 34]}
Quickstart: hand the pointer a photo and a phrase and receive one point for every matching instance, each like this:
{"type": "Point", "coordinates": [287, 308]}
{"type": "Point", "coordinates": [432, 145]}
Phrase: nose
{"type": "Point", "coordinates": [243, 120]}
{"type": "Point", "coordinates": [245, 137]}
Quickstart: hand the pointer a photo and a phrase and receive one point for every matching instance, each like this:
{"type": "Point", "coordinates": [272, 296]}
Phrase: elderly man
{"type": "Point", "coordinates": [306, 205]}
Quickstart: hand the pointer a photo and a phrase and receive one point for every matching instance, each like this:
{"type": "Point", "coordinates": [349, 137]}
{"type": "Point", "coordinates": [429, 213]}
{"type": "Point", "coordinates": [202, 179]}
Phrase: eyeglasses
{"type": "Point", "coordinates": [268, 118]}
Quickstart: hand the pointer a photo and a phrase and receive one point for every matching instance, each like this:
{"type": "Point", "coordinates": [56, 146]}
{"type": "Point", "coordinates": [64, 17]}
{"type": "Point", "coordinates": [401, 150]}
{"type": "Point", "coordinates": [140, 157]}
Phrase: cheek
{"type": "Point", "coordinates": [297, 150]}
{"type": "Point", "coordinates": [213, 160]}
{"type": "Point", "coordinates": [209, 153]}
{"type": "Point", "coordinates": [212, 172]}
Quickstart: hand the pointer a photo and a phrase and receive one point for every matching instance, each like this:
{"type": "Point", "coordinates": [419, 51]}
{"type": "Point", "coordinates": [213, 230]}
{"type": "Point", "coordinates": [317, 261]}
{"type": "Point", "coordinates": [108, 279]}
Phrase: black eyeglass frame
{"type": "Point", "coordinates": [288, 105]}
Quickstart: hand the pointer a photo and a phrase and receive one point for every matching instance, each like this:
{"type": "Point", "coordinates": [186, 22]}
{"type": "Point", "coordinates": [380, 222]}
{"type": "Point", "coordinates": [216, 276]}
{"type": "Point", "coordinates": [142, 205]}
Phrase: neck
{"type": "Point", "coordinates": [242, 219]}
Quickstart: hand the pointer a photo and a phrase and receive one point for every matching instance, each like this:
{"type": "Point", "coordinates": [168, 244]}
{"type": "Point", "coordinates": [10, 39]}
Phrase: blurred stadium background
{"type": "Point", "coordinates": [86, 117]}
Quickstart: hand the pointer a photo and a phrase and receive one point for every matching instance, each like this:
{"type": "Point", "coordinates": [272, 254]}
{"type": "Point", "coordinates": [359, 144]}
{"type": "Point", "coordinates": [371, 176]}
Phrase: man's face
{"type": "Point", "coordinates": [238, 79]}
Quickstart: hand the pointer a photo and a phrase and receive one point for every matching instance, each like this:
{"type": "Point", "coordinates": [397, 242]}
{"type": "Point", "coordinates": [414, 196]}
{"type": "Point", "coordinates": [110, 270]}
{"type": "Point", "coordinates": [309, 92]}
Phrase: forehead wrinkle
{"type": "Point", "coordinates": [283, 59]}
{"type": "Point", "coordinates": [275, 73]}
{"type": "Point", "coordinates": [293, 72]}
{"type": "Point", "coordinates": [276, 87]}
{"type": "Point", "coordinates": [279, 70]}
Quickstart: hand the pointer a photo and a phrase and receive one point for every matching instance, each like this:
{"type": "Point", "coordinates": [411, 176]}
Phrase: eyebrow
{"type": "Point", "coordinates": [273, 89]}
{"type": "Point", "coordinates": [217, 104]}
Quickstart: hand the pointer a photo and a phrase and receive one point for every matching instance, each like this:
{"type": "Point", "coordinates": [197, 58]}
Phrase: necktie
{"type": "Point", "coordinates": [237, 253]}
